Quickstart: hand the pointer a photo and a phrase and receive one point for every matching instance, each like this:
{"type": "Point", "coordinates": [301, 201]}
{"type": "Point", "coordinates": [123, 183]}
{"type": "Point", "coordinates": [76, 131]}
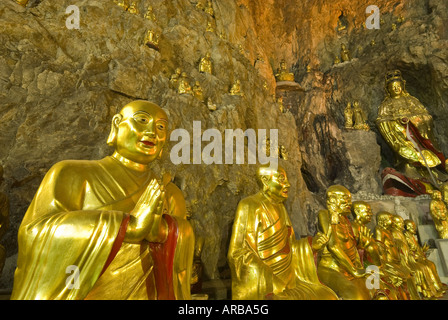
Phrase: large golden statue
{"type": "Point", "coordinates": [407, 127]}
{"type": "Point", "coordinates": [265, 258]}
{"type": "Point", "coordinates": [283, 74]}
{"type": "Point", "coordinates": [340, 266]}
{"type": "Point", "coordinates": [418, 253]}
{"type": "Point", "coordinates": [439, 214]}
{"type": "Point", "coordinates": [107, 229]}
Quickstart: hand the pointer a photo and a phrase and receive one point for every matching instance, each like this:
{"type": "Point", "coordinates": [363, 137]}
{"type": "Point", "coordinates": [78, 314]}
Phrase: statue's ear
{"type": "Point", "coordinates": [114, 129]}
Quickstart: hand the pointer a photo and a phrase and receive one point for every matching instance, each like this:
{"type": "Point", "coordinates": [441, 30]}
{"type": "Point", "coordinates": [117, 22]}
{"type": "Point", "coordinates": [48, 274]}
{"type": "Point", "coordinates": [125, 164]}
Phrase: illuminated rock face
{"type": "Point", "coordinates": [60, 88]}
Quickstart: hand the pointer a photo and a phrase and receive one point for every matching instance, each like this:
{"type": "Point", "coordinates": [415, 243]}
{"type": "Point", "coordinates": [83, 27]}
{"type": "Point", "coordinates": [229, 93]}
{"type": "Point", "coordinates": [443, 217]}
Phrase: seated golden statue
{"type": "Point", "coordinates": [209, 8]}
{"type": "Point", "coordinates": [150, 14]}
{"type": "Point", "coordinates": [174, 79]}
{"type": "Point", "coordinates": [205, 65]}
{"type": "Point", "coordinates": [345, 54]}
{"type": "Point", "coordinates": [283, 74]}
{"type": "Point", "coordinates": [236, 89]}
{"type": "Point", "coordinates": [359, 117]}
{"type": "Point", "coordinates": [407, 127]}
{"type": "Point", "coordinates": [419, 254]}
{"type": "Point", "coordinates": [370, 250]}
{"type": "Point", "coordinates": [348, 116]}
{"type": "Point", "coordinates": [133, 8]}
{"type": "Point", "coordinates": [394, 268]}
{"type": "Point", "coordinates": [210, 105]}
{"type": "Point", "coordinates": [152, 39]}
{"type": "Point", "coordinates": [439, 214]}
{"type": "Point", "coordinates": [124, 4]}
{"type": "Point", "coordinates": [184, 87]}
{"type": "Point", "coordinates": [197, 91]}
{"type": "Point", "coordinates": [265, 258]}
{"type": "Point", "coordinates": [340, 266]}
{"type": "Point", "coordinates": [109, 221]}
{"type": "Point", "coordinates": [421, 272]}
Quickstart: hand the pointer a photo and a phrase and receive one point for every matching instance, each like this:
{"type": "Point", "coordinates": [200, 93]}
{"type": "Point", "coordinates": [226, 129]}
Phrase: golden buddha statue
{"type": "Point", "coordinates": [336, 60]}
{"type": "Point", "coordinates": [265, 258]}
{"type": "Point", "coordinates": [399, 274]}
{"type": "Point", "coordinates": [421, 273]}
{"type": "Point", "coordinates": [210, 105]}
{"type": "Point", "coordinates": [184, 87]}
{"type": "Point", "coordinates": [280, 104]}
{"type": "Point", "coordinates": [4, 221]}
{"type": "Point", "coordinates": [205, 65]}
{"type": "Point", "coordinates": [348, 116]}
{"type": "Point", "coordinates": [209, 8]}
{"type": "Point", "coordinates": [394, 26]}
{"type": "Point", "coordinates": [370, 250]}
{"type": "Point", "coordinates": [23, 3]}
{"type": "Point", "coordinates": [340, 266]}
{"type": "Point", "coordinates": [407, 127]}
{"type": "Point", "coordinates": [150, 14]}
{"type": "Point", "coordinates": [125, 233]}
{"type": "Point", "coordinates": [236, 89]}
{"type": "Point", "coordinates": [133, 8]}
{"type": "Point", "coordinates": [283, 74]}
{"type": "Point", "coordinates": [209, 27]}
{"type": "Point", "coordinates": [419, 254]}
{"type": "Point", "coordinates": [359, 117]}
{"type": "Point", "coordinates": [197, 91]}
{"type": "Point", "coordinates": [174, 79]}
{"type": "Point", "coordinates": [439, 214]}
{"type": "Point", "coordinates": [345, 54]}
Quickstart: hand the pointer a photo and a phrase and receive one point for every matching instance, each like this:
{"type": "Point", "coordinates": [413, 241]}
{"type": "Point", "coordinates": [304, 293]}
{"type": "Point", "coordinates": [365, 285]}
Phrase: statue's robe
{"type": "Point", "coordinates": [410, 176]}
{"type": "Point", "coordinates": [71, 238]}
{"type": "Point", "coordinates": [265, 258]}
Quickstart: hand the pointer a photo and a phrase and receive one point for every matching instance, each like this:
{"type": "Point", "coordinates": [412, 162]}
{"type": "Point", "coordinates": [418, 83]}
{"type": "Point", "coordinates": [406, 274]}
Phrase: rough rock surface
{"type": "Point", "coordinates": [59, 89]}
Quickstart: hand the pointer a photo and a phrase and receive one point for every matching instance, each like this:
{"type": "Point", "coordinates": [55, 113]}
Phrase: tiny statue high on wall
{"type": "Point", "coordinates": [126, 233]}
{"type": "Point", "coordinates": [209, 8]}
{"type": "Point", "coordinates": [283, 74]}
{"type": "Point", "coordinates": [184, 87]}
{"type": "Point", "coordinates": [265, 258]}
{"type": "Point", "coordinates": [149, 15]}
{"type": "Point", "coordinates": [439, 214]}
{"type": "Point", "coordinates": [348, 116]}
{"type": "Point", "coordinates": [152, 39]}
{"type": "Point", "coordinates": [174, 79]}
{"type": "Point", "coordinates": [205, 65]}
{"type": "Point", "coordinates": [197, 91]}
{"type": "Point", "coordinates": [124, 4]}
{"type": "Point", "coordinates": [345, 54]}
{"type": "Point", "coordinates": [133, 8]}
{"type": "Point", "coordinates": [235, 90]}
{"type": "Point", "coordinates": [340, 266]}
{"type": "Point", "coordinates": [395, 263]}
{"type": "Point", "coordinates": [210, 105]}
{"type": "Point", "coordinates": [359, 117]}
{"type": "Point", "coordinates": [407, 127]}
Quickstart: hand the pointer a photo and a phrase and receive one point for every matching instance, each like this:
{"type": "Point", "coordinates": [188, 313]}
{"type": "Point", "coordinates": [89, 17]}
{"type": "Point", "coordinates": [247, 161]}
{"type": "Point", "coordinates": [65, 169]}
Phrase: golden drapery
{"type": "Point", "coordinates": [76, 219]}
{"type": "Point", "coordinates": [265, 257]}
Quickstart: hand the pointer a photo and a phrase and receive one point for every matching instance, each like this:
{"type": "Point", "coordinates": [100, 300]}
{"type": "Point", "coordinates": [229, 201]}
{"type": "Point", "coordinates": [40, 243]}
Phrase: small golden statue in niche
{"type": "Point", "coordinates": [124, 4]}
{"type": "Point", "coordinates": [150, 15]}
{"type": "Point", "coordinates": [174, 79]}
{"type": "Point", "coordinates": [439, 214]}
{"type": "Point", "coordinates": [152, 39]}
{"type": "Point", "coordinates": [205, 65]}
{"type": "Point", "coordinates": [197, 91]}
{"type": "Point", "coordinates": [133, 8]}
{"type": "Point", "coordinates": [235, 90]}
{"type": "Point", "coordinates": [265, 258]}
{"type": "Point", "coordinates": [280, 104]}
{"type": "Point", "coordinates": [282, 152]}
{"type": "Point", "coordinates": [210, 105]}
{"type": "Point", "coordinates": [283, 74]}
{"type": "Point", "coordinates": [345, 54]}
{"type": "Point", "coordinates": [341, 24]}
{"type": "Point", "coordinates": [209, 27]}
{"type": "Point", "coordinates": [336, 60]}
{"type": "Point", "coordinates": [184, 87]}
{"type": "Point", "coordinates": [348, 115]}
{"type": "Point", "coordinates": [359, 117]}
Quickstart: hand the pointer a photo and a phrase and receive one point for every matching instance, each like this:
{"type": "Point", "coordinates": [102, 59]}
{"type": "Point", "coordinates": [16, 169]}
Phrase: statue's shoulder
{"type": "Point", "coordinates": [73, 170]}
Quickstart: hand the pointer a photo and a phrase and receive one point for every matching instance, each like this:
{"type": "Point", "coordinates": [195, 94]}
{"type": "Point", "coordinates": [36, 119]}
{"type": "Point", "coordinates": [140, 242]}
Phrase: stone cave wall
{"type": "Point", "coordinates": [60, 88]}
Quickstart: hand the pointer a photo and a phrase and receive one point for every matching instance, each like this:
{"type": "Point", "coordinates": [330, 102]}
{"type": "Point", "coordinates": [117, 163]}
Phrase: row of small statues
{"type": "Point", "coordinates": [128, 235]}
{"type": "Point", "coordinates": [355, 117]}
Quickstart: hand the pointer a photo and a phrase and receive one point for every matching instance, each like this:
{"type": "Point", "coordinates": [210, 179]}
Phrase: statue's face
{"type": "Point", "coordinates": [340, 199]}
{"type": "Point", "coordinates": [363, 213]}
{"type": "Point", "coordinates": [384, 219]}
{"type": "Point", "coordinates": [141, 132]}
{"type": "Point", "coordinates": [397, 222]}
{"type": "Point", "coordinates": [395, 88]}
{"type": "Point", "coordinates": [411, 227]}
{"type": "Point", "coordinates": [278, 185]}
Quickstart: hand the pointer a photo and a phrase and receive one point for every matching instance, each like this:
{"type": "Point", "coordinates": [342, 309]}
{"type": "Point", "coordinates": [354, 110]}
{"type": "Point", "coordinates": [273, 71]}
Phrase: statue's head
{"type": "Point", "coordinates": [274, 182]}
{"type": "Point", "coordinates": [397, 222]}
{"type": "Point", "coordinates": [362, 211]}
{"type": "Point", "coordinates": [139, 131]}
{"type": "Point", "coordinates": [384, 219]}
{"type": "Point", "coordinates": [395, 85]}
{"type": "Point", "coordinates": [339, 199]}
{"type": "Point", "coordinates": [410, 226]}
